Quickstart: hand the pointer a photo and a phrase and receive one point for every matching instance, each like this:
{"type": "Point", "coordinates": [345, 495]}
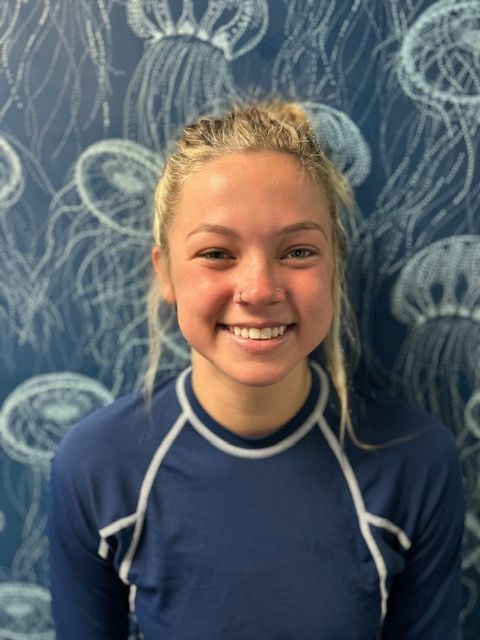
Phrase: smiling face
{"type": "Point", "coordinates": [250, 268]}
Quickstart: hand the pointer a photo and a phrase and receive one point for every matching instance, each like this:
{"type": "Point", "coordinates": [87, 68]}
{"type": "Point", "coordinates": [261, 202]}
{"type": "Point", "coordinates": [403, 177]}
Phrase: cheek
{"type": "Point", "coordinates": [318, 288]}
{"type": "Point", "coordinates": [317, 301]}
{"type": "Point", "coordinates": [200, 297]}
{"type": "Point", "coordinates": [204, 286]}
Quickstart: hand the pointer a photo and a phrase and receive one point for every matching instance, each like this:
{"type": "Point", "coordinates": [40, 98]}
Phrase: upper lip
{"type": "Point", "coordinates": [257, 325]}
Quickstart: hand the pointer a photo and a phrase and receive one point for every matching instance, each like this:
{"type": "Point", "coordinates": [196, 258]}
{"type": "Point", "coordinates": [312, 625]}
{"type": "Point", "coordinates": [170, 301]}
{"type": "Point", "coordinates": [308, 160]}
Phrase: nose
{"type": "Point", "coordinates": [259, 284]}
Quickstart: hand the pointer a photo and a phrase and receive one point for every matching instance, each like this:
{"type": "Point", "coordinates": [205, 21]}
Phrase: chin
{"type": "Point", "coordinates": [259, 376]}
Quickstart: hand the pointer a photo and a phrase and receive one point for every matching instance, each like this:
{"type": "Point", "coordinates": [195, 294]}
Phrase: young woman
{"type": "Point", "coordinates": [253, 497]}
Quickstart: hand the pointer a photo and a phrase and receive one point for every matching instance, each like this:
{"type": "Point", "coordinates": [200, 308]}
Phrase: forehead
{"type": "Point", "coordinates": [250, 185]}
{"type": "Point", "coordinates": [252, 167]}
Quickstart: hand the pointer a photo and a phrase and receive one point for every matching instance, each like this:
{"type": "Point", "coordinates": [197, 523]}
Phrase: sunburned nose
{"type": "Point", "coordinates": [258, 286]}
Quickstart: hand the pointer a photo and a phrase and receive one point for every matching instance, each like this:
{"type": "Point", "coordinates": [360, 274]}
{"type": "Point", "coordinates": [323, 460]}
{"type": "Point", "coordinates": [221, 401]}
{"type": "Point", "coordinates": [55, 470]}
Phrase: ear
{"type": "Point", "coordinates": [162, 273]}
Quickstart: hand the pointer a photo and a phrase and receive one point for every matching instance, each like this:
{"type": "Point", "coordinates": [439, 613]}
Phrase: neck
{"type": "Point", "coordinates": [251, 411]}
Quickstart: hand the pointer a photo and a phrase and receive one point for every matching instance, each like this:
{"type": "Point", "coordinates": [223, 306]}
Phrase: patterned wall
{"type": "Point", "coordinates": [91, 92]}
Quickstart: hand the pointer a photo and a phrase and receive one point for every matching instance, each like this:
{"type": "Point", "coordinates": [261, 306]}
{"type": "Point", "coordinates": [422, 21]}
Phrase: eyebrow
{"type": "Point", "coordinates": [305, 225]}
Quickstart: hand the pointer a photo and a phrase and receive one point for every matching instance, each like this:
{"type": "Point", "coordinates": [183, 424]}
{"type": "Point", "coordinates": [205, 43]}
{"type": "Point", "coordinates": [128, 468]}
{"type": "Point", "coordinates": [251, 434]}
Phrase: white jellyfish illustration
{"type": "Point", "coordinates": [342, 139]}
{"type": "Point", "coordinates": [12, 179]}
{"type": "Point", "coordinates": [326, 52]}
{"type": "Point", "coordinates": [428, 153]}
{"type": "Point", "coordinates": [186, 61]}
{"type": "Point", "coordinates": [439, 61]}
{"type": "Point", "coordinates": [430, 60]}
{"type": "Point", "coordinates": [21, 297]}
{"type": "Point", "coordinates": [32, 31]}
{"type": "Point", "coordinates": [439, 68]}
{"type": "Point", "coordinates": [25, 612]}
{"type": "Point", "coordinates": [437, 296]}
{"type": "Point", "coordinates": [36, 415]}
{"type": "Point", "coordinates": [33, 420]}
{"type": "Point", "coordinates": [469, 442]}
{"type": "Point", "coordinates": [175, 354]}
{"type": "Point", "coordinates": [98, 261]}
{"type": "Point", "coordinates": [470, 456]}
{"type": "Point", "coordinates": [472, 415]}
{"type": "Point", "coordinates": [115, 181]}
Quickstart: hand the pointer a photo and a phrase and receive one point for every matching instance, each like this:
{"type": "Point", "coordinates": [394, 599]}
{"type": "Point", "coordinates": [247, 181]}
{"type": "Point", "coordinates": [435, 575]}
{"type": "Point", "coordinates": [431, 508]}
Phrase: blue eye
{"type": "Point", "coordinates": [301, 253]}
{"type": "Point", "coordinates": [214, 254]}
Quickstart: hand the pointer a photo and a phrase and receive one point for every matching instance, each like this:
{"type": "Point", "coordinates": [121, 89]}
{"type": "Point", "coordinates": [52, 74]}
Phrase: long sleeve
{"type": "Point", "coordinates": [424, 602]}
{"type": "Point", "coordinates": [88, 598]}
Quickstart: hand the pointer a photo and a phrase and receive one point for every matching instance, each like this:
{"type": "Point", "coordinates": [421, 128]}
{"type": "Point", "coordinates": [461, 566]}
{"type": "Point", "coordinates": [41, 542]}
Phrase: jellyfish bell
{"type": "Point", "coordinates": [25, 612]}
{"type": "Point", "coordinates": [38, 413]}
{"type": "Point", "coordinates": [12, 180]}
{"type": "Point", "coordinates": [441, 280]}
{"type": "Point", "coordinates": [439, 60]}
{"type": "Point", "coordinates": [153, 21]}
{"type": "Point", "coordinates": [115, 180]}
{"type": "Point", "coordinates": [437, 296]}
{"type": "Point", "coordinates": [234, 26]}
{"type": "Point", "coordinates": [471, 38]}
{"type": "Point", "coordinates": [342, 139]}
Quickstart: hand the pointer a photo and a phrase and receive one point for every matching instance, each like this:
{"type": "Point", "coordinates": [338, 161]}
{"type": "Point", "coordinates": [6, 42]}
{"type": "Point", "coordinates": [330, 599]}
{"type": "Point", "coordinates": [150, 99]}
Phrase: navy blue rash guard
{"type": "Point", "coordinates": [208, 535]}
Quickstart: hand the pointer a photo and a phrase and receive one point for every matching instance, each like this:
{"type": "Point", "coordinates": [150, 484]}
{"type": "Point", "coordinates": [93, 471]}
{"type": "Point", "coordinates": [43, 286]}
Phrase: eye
{"type": "Point", "coordinates": [300, 253]}
{"type": "Point", "coordinates": [214, 254]}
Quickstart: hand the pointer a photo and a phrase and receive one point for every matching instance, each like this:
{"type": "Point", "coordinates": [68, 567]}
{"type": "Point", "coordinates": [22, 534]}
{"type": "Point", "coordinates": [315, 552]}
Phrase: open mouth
{"type": "Point", "coordinates": [254, 333]}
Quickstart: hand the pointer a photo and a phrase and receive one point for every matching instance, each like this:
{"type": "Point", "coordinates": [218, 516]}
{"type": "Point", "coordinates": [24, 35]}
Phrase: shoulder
{"type": "Point", "coordinates": [396, 427]}
{"type": "Point", "coordinates": [414, 464]}
{"type": "Point", "coordinates": [101, 463]}
{"type": "Point", "coordinates": [407, 446]}
{"type": "Point", "coordinates": [119, 433]}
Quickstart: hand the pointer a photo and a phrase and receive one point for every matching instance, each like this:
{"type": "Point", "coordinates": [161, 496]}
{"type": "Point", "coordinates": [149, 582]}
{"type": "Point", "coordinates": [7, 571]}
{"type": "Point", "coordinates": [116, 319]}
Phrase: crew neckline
{"type": "Point", "coordinates": [287, 434]}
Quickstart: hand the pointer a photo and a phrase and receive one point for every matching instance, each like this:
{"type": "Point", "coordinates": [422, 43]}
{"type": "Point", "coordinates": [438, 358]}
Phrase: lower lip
{"type": "Point", "coordinates": [258, 346]}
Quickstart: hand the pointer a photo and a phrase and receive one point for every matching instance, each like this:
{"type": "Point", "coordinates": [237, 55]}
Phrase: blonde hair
{"type": "Point", "coordinates": [272, 126]}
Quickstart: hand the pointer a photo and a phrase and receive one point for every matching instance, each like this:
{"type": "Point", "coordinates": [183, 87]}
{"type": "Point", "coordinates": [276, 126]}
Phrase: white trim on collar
{"type": "Point", "coordinates": [244, 452]}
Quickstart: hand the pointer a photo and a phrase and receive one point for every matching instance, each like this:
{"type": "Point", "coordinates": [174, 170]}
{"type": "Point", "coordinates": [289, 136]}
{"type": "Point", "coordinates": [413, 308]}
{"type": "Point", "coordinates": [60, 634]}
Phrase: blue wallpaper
{"type": "Point", "coordinates": [91, 93]}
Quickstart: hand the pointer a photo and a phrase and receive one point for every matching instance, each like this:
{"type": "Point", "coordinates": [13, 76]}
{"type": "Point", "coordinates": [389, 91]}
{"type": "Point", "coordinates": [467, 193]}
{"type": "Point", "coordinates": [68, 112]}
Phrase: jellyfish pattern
{"type": "Point", "coordinates": [33, 419]}
{"type": "Point", "coordinates": [55, 73]}
{"type": "Point", "coordinates": [436, 295]}
{"type": "Point", "coordinates": [92, 95]}
{"type": "Point", "coordinates": [185, 67]}
{"type": "Point", "coordinates": [25, 319]}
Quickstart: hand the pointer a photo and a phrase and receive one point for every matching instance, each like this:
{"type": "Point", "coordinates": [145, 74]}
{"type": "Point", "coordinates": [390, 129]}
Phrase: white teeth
{"type": "Point", "coordinates": [258, 334]}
